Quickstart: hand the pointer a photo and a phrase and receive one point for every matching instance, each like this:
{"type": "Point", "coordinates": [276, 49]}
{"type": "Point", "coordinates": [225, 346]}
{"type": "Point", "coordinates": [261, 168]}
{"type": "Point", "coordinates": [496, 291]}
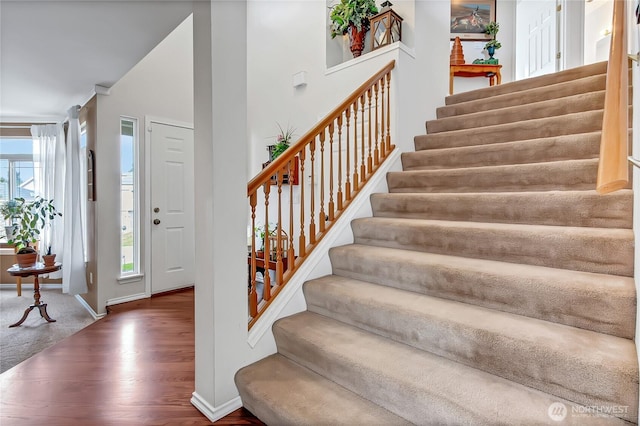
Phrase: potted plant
{"type": "Point", "coordinates": [352, 17]}
{"type": "Point", "coordinates": [492, 29]}
{"type": "Point", "coordinates": [49, 258]}
{"type": "Point", "coordinates": [10, 213]}
{"type": "Point", "coordinates": [283, 141]}
{"type": "Point", "coordinates": [261, 232]}
{"type": "Point", "coordinates": [33, 217]}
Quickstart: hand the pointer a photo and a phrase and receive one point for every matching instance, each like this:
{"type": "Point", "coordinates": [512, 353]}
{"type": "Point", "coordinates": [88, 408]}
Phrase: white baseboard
{"type": "Point", "coordinates": [125, 299]}
{"type": "Point", "coordinates": [88, 307]}
{"type": "Point", "coordinates": [215, 413]}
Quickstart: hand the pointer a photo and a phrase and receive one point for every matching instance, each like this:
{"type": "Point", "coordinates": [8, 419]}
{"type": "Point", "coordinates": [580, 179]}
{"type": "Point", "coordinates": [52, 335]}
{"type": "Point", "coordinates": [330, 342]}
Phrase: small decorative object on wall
{"type": "Point", "coordinates": [492, 29]}
{"type": "Point", "coordinates": [351, 17]}
{"type": "Point", "coordinates": [386, 27]}
{"type": "Point", "coordinates": [470, 17]}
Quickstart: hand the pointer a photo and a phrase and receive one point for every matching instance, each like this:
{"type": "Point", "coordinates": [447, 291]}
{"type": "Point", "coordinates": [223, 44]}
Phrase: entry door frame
{"type": "Point", "coordinates": [146, 227]}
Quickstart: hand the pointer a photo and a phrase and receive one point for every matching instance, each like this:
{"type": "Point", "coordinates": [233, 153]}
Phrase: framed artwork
{"type": "Point", "coordinates": [469, 18]}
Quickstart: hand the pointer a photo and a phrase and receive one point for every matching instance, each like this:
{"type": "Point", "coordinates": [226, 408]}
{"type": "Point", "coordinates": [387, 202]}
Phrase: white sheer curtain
{"type": "Point", "coordinates": [48, 180]}
{"type": "Point", "coordinates": [73, 270]}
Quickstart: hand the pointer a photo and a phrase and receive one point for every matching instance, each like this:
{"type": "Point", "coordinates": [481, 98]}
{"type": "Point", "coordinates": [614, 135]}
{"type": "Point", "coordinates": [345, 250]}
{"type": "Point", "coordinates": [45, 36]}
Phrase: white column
{"type": "Point", "coordinates": [572, 48]}
{"type": "Point", "coordinates": [220, 121]}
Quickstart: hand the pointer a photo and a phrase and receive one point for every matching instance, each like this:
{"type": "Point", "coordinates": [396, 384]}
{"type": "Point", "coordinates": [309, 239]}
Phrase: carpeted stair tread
{"type": "Point", "coordinates": [419, 386]}
{"type": "Point", "coordinates": [566, 208]}
{"type": "Point", "coordinates": [598, 302]}
{"type": "Point", "coordinates": [529, 83]}
{"type": "Point", "coordinates": [575, 364]}
{"type": "Point", "coordinates": [580, 122]}
{"type": "Point", "coordinates": [547, 176]}
{"type": "Point", "coordinates": [552, 108]}
{"type": "Point", "coordinates": [281, 392]}
{"type": "Point", "coordinates": [599, 250]}
{"type": "Point", "coordinates": [556, 148]}
{"type": "Point", "coordinates": [554, 91]}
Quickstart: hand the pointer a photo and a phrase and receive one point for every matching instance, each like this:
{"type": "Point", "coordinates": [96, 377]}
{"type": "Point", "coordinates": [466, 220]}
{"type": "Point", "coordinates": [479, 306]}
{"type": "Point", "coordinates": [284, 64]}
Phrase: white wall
{"type": "Point", "coordinates": [598, 17]}
{"type": "Point", "coordinates": [274, 53]}
{"type": "Point", "coordinates": [506, 17]}
{"type": "Point", "coordinates": [160, 85]}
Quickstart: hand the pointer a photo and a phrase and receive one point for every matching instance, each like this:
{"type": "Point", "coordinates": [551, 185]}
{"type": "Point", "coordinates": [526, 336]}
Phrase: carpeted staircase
{"type": "Point", "coordinates": [492, 286]}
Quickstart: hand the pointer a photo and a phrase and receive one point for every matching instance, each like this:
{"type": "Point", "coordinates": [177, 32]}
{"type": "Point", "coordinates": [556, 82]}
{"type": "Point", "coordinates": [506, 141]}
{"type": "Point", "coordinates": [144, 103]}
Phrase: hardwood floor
{"type": "Point", "coordinates": [133, 367]}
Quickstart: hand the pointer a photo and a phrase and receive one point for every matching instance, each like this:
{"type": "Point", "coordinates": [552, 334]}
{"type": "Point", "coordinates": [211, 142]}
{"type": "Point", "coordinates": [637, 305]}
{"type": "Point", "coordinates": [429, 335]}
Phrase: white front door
{"type": "Point", "coordinates": [536, 32]}
{"type": "Point", "coordinates": [172, 207]}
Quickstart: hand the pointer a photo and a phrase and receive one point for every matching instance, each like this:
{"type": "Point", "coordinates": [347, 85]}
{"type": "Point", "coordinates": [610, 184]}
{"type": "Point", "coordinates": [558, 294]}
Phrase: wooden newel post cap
{"type": "Point", "coordinates": [457, 56]}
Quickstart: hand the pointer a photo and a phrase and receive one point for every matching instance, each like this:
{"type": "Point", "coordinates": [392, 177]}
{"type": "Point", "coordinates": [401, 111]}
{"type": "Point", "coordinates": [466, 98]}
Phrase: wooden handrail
{"type": "Point", "coordinates": [334, 160]}
{"type": "Point", "coordinates": [613, 169]}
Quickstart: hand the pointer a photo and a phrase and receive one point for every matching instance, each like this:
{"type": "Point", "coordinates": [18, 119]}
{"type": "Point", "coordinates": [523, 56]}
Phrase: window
{"type": "Point", "coordinates": [83, 187]}
{"type": "Point", "coordinates": [16, 169]}
{"type": "Point", "coordinates": [129, 194]}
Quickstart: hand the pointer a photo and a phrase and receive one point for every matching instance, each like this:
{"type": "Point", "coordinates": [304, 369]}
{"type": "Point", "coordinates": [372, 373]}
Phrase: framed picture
{"type": "Point", "coordinates": [469, 18]}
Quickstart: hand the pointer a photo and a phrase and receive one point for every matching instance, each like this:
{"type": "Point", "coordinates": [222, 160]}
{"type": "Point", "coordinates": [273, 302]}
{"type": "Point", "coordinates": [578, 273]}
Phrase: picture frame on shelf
{"type": "Point", "coordinates": [469, 18]}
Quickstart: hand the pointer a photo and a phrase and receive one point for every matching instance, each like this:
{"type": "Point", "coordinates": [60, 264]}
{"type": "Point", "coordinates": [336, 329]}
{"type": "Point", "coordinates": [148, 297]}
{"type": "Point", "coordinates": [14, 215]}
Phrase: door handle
{"type": "Point", "coordinates": [156, 221]}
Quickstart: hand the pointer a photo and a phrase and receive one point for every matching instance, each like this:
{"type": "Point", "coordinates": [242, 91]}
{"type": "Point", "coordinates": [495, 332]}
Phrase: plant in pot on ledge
{"type": "Point", "coordinates": [10, 213]}
{"type": "Point", "coordinates": [352, 17]}
{"type": "Point", "coordinates": [34, 216]}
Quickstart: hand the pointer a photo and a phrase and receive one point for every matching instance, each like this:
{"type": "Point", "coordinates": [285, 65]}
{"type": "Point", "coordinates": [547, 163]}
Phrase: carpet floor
{"type": "Point", "coordinates": [35, 334]}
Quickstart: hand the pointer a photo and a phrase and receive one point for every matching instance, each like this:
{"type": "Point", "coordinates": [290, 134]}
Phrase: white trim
{"type": "Point", "coordinates": [89, 309]}
{"type": "Point", "coordinates": [128, 279]}
{"type": "Point", "coordinates": [125, 299]}
{"type": "Point", "coordinates": [398, 45]}
{"type": "Point", "coordinates": [343, 224]}
{"type": "Point", "coordinates": [137, 223]}
{"type": "Point", "coordinates": [215, 413]}
{"type": "Point", "coordinates": [146, 217]}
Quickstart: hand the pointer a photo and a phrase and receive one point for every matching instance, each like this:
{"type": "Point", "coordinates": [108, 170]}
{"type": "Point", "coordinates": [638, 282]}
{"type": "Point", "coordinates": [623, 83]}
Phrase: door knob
{"type": "Point", "coordinates": [156, 221]}
{"type": "Point", "coordinates": [156, 210]}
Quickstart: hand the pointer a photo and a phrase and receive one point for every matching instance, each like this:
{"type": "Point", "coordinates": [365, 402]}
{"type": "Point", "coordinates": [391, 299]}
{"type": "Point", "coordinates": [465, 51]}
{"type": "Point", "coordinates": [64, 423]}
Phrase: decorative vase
{"type": "Point", "coordinates": [491, 50]}
{"type": "Point", "coordinates": [356, 40]}
{"type": "Point", "coordinates": [49, 259]}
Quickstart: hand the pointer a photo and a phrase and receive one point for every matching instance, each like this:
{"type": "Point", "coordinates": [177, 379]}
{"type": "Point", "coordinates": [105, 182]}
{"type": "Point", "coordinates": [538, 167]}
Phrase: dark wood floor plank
{"type": "Point", "coordinates": [134, 367]}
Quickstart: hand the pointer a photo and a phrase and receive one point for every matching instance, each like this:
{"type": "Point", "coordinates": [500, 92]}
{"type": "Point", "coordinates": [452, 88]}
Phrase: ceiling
{"type": "Point", "coordinates": [54, 52]}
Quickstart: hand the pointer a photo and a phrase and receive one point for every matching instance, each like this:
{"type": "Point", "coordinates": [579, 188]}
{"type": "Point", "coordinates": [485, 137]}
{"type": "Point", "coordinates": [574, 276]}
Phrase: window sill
{"type": "Point", "coordinates": [128, 279]}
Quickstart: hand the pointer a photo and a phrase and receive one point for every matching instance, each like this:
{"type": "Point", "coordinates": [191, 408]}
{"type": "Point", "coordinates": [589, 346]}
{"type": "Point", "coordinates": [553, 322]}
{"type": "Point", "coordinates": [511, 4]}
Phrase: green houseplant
{"type": "Point", "coordinates": [492, 29]}
{"type": "Point", "coordinates": [10, 212]}
{"type": "Point", "coordinates": [352, 17]}
{"type": "Point", "coordinates": [33, 217]}
{"type": "Point", "coordinates": [283, 141]}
